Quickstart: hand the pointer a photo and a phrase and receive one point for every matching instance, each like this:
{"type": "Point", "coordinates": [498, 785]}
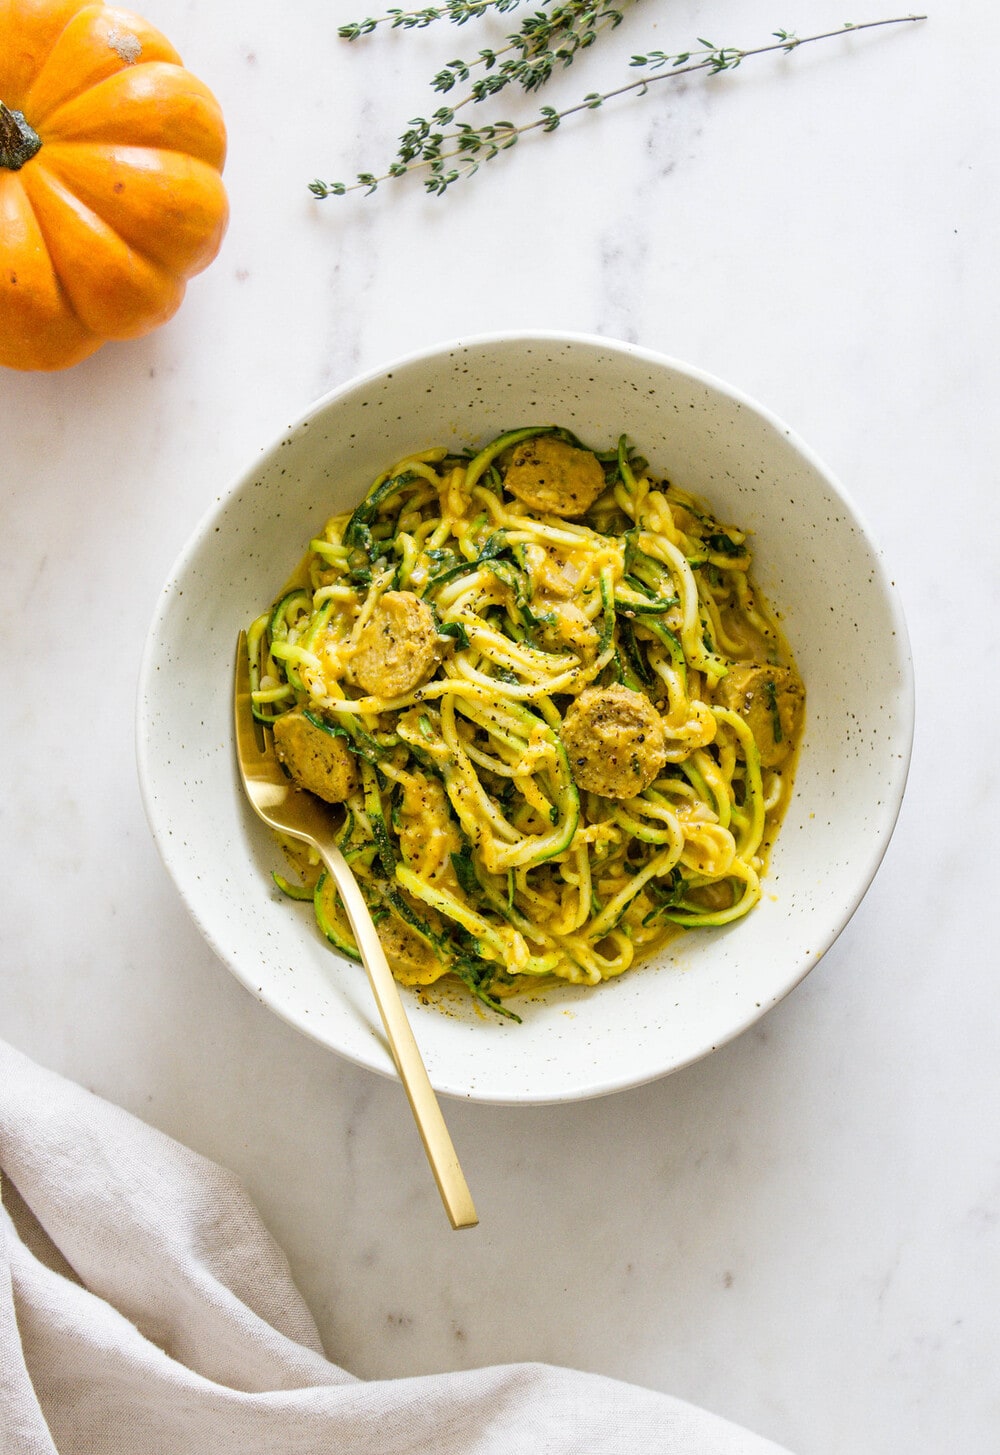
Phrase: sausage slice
{"type": "Point", "coordinates": [614, 740]}
{"type": "Point", "coordinates": [316, 759]}
{"type": "Point", "coordinates": [770, 700]}
{"type": "Point", "coordinates": [398, 646]}
{"type": "Point", "coordinates": [553, 477]}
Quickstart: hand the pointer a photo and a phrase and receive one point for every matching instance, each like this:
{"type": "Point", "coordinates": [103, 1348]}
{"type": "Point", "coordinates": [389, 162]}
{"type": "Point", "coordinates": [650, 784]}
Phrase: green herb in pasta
{"type": "Point", "coordinates": [559, 717]}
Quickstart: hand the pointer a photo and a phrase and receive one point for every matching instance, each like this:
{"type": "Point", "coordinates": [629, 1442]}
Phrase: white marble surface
{"type": "Point", "coordinates": [801, 1232]}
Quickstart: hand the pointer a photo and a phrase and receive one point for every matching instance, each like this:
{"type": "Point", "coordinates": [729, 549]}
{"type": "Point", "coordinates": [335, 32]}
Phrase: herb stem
{"type": "Point", "coordinates": [727, 58]}
{"type": "Point", "coordinates": [457, 11]}
{"type": "Point", "coordinates": [424, 148]}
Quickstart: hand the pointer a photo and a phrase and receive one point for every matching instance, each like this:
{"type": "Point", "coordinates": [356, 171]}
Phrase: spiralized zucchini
{"type": "Point", "coordinates": [562, 728]}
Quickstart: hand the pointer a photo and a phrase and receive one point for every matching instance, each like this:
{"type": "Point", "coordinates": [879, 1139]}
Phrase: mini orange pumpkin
{"type": "Point", "coordinates": [110, 188]}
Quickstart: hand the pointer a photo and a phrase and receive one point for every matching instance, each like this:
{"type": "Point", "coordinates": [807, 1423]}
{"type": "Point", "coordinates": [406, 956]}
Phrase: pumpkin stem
{"type": "Point", "coordinates": [19, 141]}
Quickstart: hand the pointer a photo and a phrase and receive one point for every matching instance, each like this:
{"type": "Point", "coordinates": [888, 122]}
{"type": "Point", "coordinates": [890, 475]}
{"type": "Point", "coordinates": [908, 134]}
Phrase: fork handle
{"type": "Point", "coordinates": [427, 1114]}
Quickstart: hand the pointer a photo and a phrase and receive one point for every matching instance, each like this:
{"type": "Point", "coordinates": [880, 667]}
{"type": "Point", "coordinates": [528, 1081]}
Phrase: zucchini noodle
{"type": "Point", "coordinates": [559, 717]}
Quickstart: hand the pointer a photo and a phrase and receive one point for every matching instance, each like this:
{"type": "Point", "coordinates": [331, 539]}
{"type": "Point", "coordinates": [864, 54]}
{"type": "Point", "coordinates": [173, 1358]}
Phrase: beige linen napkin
{"type": "Point", "coordinates": [144, 1310]}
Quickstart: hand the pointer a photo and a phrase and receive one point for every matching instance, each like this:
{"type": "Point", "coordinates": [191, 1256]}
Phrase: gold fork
{"type": "Point", "coordinates": [296, 812]}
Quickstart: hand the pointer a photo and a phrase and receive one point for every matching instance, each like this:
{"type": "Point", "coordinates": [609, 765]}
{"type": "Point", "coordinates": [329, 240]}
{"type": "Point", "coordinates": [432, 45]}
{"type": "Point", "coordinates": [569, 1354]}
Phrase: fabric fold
{"type": "Point", "coordinates": [146, 1310]}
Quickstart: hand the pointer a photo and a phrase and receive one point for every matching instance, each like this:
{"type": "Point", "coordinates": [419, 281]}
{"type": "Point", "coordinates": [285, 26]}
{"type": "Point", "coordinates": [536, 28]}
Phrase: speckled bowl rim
{"type": "Point", "coordinates": [864, 869]}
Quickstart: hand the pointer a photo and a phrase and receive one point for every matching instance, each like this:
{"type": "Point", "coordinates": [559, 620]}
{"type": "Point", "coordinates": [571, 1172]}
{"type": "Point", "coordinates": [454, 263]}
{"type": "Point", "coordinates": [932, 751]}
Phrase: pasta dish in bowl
{"type": "Point", "coordinates": [606, 682]}
{"type": "Point", "coordinates": [559, 716]}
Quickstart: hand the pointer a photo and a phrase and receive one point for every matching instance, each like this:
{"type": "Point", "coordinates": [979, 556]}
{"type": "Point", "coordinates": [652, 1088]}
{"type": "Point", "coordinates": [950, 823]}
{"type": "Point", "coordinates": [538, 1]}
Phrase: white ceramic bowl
{"type": "Point", "coordinates": [814, 560]}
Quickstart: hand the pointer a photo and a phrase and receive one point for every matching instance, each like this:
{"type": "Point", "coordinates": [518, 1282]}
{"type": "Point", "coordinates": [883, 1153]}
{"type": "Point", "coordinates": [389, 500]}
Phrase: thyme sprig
{"type": "Point", "coordinates": [457, 11]}
{"type": "Point", "coordinates": [446, 156]}
{"type": "Point", "coordinates": [546, 39]}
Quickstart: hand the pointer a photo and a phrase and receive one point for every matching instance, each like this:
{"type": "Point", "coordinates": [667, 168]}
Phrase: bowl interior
{"type": "Point", "coordinates": [814, 561]}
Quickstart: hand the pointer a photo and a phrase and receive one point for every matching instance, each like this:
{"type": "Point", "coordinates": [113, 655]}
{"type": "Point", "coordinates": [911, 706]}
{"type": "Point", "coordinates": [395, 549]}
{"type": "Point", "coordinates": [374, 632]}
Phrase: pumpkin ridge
{"type": "Point", "coordinates": [123, 103]}
{"type": "Point", "coordinates": [89, 48]}
{"type": "Point", "coordinates": [145, 313]}
{"type": "Point", "coordinates": [133, 147]}
{"type": "Point", "coordinates": [45, 338]}
{"type": "Point", "coordinates": [17, 96]}
{"type": "Point", "coordinates": [182, 249]}
{"type": "Point", "coordinates": [30, 201]}
{"type": "Point", "coordinates": [63, 186]}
